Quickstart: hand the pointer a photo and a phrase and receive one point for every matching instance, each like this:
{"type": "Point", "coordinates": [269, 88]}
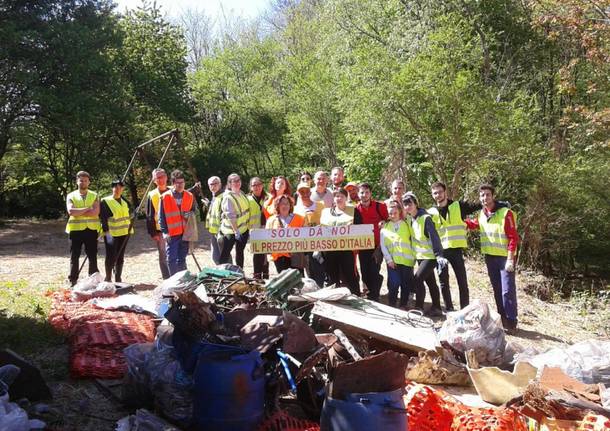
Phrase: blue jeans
{"type": "Point", "coordinates": [401, 278]}
{"type": "Point", "coordinates": [505, 289]}
{"type": "Point", "coordinates": [215, 250]}
{"type": "Point", "coordinates": [176, 253]}
{"type": "Point", "coordinates": [162, 248]}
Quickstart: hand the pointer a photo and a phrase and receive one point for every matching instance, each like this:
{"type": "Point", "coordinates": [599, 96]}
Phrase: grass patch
{"type": "Point", "coordinates": [24, 327]}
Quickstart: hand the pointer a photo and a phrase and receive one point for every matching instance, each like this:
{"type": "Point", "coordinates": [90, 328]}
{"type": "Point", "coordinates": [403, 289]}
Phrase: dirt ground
{"type": "Point", "coordinates": [36, 253]}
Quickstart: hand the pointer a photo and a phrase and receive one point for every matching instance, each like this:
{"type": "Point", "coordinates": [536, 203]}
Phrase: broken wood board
{"type": "Point", "coordinates": [379, 373]}
{"type": "Point", "coordinates": [394, 326]}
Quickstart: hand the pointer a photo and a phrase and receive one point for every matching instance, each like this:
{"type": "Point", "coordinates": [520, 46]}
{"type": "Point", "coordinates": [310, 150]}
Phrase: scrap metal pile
{"type": "Point", "coordinates": [234, 353]}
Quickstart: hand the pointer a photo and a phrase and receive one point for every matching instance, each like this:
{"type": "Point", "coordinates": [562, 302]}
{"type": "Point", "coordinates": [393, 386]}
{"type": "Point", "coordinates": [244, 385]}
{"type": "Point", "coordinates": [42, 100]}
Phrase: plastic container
{"type": "Point", "coordinates": [364, 412]}
{"type": "Point", "coordinates": [229, 392]}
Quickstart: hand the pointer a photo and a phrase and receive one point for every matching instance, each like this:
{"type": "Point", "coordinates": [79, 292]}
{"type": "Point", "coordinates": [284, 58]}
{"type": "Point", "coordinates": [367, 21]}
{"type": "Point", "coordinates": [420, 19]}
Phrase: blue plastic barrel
{"type": "Point", "coordinates": [364, 412]}
{"type": "Point", "coordinates": [229, 392]}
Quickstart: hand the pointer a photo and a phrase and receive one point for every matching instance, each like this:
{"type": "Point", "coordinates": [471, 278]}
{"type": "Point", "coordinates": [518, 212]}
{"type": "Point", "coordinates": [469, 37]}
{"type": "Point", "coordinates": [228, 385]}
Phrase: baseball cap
{"type": "Point", "coordinates": [303, 186]}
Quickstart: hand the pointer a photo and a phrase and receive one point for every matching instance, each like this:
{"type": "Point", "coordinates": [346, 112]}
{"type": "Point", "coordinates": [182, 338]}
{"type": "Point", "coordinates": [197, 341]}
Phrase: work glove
{"type": "Point", "coordinates": [441, 264]}
{"type": "Point", "coordinates": [318, 256]}
{"type": "Point", "coordinates": [509, 266]}
{"type": "Point", "coordinates": [109, 238]}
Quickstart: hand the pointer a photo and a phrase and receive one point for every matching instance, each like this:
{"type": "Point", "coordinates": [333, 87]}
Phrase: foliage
{"type": "Point", "coordinates": [510, 92]}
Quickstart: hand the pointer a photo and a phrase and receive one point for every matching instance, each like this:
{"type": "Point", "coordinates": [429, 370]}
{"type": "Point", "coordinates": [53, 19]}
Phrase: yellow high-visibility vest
{"type": "Point", "coordinates": [118, 224]}
{"type": "Point", "coordinates": [155, 198]}
{"type": "Point", "coordinates": [78, 223]}
{"type": "Point", "coordinates": [398, 243]}
{"type": "Point", "coordinates": [255, 211]}
{"type": "Point", "coordinates": [421, 244]}
{"type": "Point", "coordinates": [493, 239]}
{"type": "Point", "coordinates": [242, 209]}
{"type": "Point", "coordinates": [212, 219]}
{"type": "Point", "coordinates": [329, 219]}
{"type": "Point", "coordinates": [452, 231]}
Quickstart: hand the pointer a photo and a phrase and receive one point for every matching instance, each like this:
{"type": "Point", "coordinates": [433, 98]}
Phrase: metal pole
{"type": "Point", "coordinates": [163, 135]}
{"type": "Point", "coordinates": [135, 213]}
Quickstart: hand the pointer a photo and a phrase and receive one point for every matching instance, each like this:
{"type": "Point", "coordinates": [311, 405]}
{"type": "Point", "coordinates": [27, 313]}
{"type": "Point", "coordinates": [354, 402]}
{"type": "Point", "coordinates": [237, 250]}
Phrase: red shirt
{"type": "Point", "coordinates": [510, 228]}
{"type": "Point", "coordinates": [373, 214]}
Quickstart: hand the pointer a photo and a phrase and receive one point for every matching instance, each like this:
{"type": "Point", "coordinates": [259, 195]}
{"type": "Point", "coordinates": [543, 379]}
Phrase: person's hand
{"type": "Point", "coordinates": [441, 264]}
{"type": "Point", "coordinates": [165, 235]}
{"type": "Point", "coordinates": [238, 236]}
{"type": "Point", "coordinates": [186, 214]}
{"type": "Point", "coordinates": [391, 265]}
{"type": "Point", "coordinates": [509, 266]}
{"type": "Point", "coordinates": [109, 238]}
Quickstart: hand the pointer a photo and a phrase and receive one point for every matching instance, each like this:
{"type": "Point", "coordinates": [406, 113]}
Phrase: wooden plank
{"type": "Point", "coordinates": [394, 326]}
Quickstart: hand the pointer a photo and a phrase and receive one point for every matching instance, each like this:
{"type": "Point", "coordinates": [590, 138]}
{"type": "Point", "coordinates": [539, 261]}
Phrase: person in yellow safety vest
{"type": "Point", "coordinates": [449, 216]}
{"type": "Point", "coordinates": [83, 226]}
{"type": "Point", "coordinates": [499, 240]}
{"type": "Point", "coordinates": [177, 206]}
{"type": "Point", "coordinates": [428, 252]}
{"type": "Point", "coordinates": [159, 177]}
{"type": "Point", "coordinates": [234, 219]}
{"type": "Point", "coordinates": [339, 264]}
{"type": "Point", "coordinates": [397, 250]}
{"type": "Point", "coordinates": [212, 218]}
{"type": "Point", "coordinates": [312, 212]}
{"type": "Point", "coordinates": [256, 199]}
{"type": "Point", "coordinates": [114, 215]}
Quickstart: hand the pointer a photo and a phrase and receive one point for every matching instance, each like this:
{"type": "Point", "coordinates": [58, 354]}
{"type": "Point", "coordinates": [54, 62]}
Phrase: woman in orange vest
{"type": "Point", "coordinates": [284, 217]}
{"type": "Point", "coordinates": [279, 186]}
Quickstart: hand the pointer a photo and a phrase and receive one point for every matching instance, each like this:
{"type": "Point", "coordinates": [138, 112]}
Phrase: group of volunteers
{"type": "Point", "coordinates": [405, 234]}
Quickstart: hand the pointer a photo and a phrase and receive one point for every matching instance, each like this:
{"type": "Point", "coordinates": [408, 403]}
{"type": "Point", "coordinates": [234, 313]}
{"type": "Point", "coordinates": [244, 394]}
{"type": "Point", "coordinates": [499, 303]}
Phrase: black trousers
{"type": "Point", "coordinates": [88, 238]}
{"type": "Point", "coordinates": [115, 257]}
{"type": "Point", "coordinates": [261, 266]}
{"type": "Point", "coordinates": [226, 243]}
{"type": "Point", "coordinates": [282, 263]}
{"type": "Point", "coordinates": [315, 270]}
{"type": "Point", "coordinates": [370, 273]}
{"type": "Point", "coordinates": [339, 266]}
{"type": "Point", "coordinates": [425, 272]}
{"type": "Point", "coordinates": [456, 259]}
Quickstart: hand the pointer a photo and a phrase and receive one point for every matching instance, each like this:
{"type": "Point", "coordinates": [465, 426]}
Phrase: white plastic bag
{"type": "Point", "coordinates": [478, 328]}
{"type": "Point", "coordinates": [191, 234]}
{"type": "Point", "coordinates": [587, 361]}
{"type": "Point", "coordinates": [12, 417]}
{"type": "Point", "coordinates": [92, 287]}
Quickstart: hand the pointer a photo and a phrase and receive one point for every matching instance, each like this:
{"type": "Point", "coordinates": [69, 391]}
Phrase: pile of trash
{"type": "Point", "coordinates": [228, 352]}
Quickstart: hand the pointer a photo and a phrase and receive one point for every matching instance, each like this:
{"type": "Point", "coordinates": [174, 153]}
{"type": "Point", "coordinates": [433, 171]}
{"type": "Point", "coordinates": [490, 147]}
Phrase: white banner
{"type": "Point", "coordinates": [307, 239]}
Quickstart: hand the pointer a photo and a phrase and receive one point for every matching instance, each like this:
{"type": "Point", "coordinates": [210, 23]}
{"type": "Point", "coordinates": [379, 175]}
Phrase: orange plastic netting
{"type": "Point", "coordinates": [434, 410]}
{"type": "Point", "coordinates": [97, 337]}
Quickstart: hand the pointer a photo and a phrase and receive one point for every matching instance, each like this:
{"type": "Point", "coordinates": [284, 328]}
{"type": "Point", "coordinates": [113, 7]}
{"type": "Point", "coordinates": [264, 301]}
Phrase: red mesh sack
{"type": "Point", "coordinates": [593, 422]}
{"type": "Point", "coordinates": [427, 409]}
{"type": "Point", "coordinates": [282, 421]}
{"type": "Point", "coordinates": [477, 419]}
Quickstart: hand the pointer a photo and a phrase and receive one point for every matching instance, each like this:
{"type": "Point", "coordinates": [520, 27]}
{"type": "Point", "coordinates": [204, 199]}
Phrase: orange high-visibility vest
{"type": "Point", "coordinates": [274, 223]}
{"type": "Point", "coordinates": [174, 218]}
